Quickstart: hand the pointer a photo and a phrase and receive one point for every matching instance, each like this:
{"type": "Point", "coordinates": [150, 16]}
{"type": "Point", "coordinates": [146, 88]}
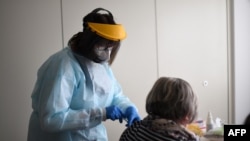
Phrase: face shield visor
{"type": "Point", "coordinates": [114, 32]}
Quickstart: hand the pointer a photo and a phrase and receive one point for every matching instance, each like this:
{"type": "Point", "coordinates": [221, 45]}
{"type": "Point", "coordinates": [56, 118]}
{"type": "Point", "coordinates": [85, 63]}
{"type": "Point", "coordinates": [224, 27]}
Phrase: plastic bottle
{"type": "Point", "coordinates": [209, 122]}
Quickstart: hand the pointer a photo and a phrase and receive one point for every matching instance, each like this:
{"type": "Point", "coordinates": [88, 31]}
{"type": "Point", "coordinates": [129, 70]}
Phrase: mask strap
{"type": "Point", "coordinates": [102, 9]}
{"type": "Point", "coordinates": [91, 14]}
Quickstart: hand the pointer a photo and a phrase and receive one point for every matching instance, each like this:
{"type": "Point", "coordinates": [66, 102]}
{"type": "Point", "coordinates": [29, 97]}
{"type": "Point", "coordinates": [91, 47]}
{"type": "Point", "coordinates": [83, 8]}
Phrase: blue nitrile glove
{"type": "Point", "coordinates": [113, 113]}
{"type": "Point", "coordinates": [131, 115]}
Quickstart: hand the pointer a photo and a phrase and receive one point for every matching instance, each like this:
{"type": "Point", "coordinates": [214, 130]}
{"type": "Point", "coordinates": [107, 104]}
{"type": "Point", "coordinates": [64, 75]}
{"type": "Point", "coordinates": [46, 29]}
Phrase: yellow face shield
{"type": "Point", "coordinates": [113, 32]}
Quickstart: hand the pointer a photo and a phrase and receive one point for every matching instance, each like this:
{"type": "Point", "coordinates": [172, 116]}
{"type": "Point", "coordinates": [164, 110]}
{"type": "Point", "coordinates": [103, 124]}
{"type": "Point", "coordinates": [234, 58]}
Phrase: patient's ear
{"type": "Point", "coordinates": [185, 121]}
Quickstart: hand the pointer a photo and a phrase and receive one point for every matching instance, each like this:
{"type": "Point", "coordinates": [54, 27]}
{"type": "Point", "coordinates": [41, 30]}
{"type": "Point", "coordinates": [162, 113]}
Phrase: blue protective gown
{"type": "Point", "coordinates": [69, 97]}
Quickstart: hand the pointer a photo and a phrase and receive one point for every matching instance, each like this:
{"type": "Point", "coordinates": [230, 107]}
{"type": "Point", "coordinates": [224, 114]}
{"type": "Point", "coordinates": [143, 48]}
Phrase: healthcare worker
{"type": "Point", "coordinates": [76, 90]}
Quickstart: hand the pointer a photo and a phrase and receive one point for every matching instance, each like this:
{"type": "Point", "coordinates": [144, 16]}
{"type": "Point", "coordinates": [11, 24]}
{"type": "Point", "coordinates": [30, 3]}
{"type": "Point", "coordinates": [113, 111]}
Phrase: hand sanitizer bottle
{"type": "Point", "coordinates": [209, 122]}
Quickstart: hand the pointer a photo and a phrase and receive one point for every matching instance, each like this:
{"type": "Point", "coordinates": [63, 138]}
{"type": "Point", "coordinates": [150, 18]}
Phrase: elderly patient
{"type": "Point", "coordinates": [171, 104]}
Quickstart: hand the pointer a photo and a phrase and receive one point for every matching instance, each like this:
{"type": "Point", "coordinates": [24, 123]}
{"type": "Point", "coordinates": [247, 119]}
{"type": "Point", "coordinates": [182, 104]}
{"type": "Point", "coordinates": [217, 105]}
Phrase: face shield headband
{"type": "Point", "coordinates": [114, 32]}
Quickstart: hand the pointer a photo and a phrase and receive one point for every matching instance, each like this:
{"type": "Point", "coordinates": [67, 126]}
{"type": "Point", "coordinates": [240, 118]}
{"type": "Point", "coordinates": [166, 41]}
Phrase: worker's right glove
{"type": "Point", "coordinates": [131, 115]}
{"type": "Point", "coordinates": [113, 113]}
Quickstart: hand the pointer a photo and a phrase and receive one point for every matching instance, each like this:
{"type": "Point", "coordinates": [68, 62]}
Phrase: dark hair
{"type": "Point", "coordinates": [247, 120]}
{"type": "Point", "coordinates": [82, 43]}
{"type": "Point", "coordinates": [173, 99]}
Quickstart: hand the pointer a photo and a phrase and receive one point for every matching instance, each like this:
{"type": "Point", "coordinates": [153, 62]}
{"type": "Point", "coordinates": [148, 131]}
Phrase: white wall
{"type": "Point", "coordinates": [241, 59]}
{"type": "Point", "coordinates": [30, 31]}
{"type": "Point", "coordinates": [192, 44]}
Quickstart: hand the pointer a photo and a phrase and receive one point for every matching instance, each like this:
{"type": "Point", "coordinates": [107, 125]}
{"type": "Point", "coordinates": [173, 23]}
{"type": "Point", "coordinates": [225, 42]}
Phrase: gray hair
{"type": "Point", "coordinates": [173, 99]}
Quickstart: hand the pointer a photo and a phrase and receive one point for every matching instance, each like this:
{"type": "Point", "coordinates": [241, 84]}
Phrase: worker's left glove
{"type": "Point", "coordinates": [131, 115]}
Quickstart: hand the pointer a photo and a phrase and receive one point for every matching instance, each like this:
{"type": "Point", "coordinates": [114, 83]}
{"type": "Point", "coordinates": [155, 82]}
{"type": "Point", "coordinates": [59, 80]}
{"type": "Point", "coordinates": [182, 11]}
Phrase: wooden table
{"type": "Point", "coordinates": [212, 139]}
